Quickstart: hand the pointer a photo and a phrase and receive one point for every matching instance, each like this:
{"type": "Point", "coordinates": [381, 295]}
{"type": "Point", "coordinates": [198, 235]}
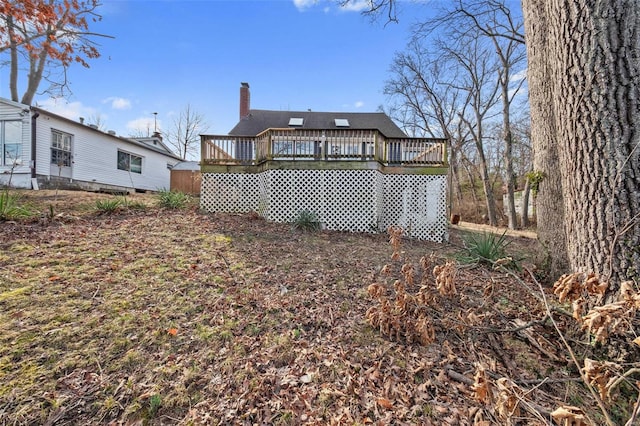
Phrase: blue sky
{"type": "Point", "coordinates": [295, 54]}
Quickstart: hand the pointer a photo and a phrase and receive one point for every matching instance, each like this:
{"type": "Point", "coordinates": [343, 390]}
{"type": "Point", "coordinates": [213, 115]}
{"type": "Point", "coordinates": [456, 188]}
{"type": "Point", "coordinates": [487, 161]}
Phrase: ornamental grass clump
{"type": "Point", "coordinates": [173, 199]}
{"type": "Point", "coordinates": [11, 207]}
{"type": "Point", "coordinates": [108, 206]}
{"type": "Point", "coordinates": [307, 221]}
{"type": "Point", "coordinates": [485, 248]}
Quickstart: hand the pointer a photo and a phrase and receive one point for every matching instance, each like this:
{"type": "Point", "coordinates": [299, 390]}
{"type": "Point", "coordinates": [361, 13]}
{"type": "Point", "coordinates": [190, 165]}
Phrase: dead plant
{"type": "Point", "coordinates": [405, 316]}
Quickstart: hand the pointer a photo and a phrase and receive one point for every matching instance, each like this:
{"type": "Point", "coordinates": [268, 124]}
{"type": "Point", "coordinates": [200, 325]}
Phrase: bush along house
{"type": "Point", "coordinates": [44, 150]}
{"type": "Point", "coordinates": [354, 172]}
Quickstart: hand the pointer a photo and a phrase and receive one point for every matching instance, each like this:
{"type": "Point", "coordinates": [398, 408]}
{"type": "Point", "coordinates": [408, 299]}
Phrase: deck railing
{"type": "Point", "coordinates": [292, 144]}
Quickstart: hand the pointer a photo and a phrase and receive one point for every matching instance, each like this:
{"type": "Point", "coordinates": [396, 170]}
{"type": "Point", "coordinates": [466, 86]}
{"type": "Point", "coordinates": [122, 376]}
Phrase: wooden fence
{"type": "Point", "coordinates": [187, 181]}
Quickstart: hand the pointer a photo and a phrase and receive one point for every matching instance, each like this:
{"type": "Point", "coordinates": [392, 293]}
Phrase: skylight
{"type": "Point", "coordinates": [296, 121]}
{"type": "Point", "coordinates": [342, 122]}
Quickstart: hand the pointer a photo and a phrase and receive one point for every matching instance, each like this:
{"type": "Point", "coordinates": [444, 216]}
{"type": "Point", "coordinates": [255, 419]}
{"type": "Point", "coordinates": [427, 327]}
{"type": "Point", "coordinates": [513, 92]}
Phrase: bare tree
{"type": "Point", "coordinates": [184, 134]}
{"type": "Point", "coordinates": [427, 104]}
{"type": "Point", "coordinates": [511, 54]}
{"type": "Point", "coordinates": [47, 35]}
{"type": "Point", "coordinates": [98, 121]}
{"type": "Point", "coordinates": [478, 71]}
{"type": "Point", "coordinates": [492, 20]}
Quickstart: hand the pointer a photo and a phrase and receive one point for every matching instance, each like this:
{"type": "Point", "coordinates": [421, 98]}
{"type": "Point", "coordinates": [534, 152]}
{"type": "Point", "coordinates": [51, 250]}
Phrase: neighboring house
{"type": "Point", "coordinates": [355, 171]}
{"type": "Point", "coordinates": [44, 150]}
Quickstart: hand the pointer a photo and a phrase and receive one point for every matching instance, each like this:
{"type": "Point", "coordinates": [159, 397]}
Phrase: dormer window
{"type": "Point", "coordinates": [296, 121]}
{"type": "Point", "coordinates": [342, 122]}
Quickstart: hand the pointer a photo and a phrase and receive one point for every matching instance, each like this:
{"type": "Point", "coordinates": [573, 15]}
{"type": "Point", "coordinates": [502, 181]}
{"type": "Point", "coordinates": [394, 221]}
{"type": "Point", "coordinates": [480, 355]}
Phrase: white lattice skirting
{"type": "Point", "coordinates": [343, 200]}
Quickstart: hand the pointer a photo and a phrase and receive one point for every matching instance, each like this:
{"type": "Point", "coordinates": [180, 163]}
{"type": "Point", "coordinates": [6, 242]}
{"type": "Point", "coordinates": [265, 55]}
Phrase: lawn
{"type": "Point", "coordinates": [158, 316]}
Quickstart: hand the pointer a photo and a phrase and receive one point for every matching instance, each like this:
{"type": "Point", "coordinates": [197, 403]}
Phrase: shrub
{"type": "Point", "coordinates": [108, 206]}
{"type": "Point", "coordinates": [486, 248]}
{"type": "Point", "coordinates": [306, 221]}
{"type": "Point", "coordinates": [11, 208]}
{"type": "Point", "coordinates": [173, 199]}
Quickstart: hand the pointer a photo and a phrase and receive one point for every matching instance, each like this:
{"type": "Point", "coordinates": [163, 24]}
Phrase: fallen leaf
{"type": "Point", "coordinates": [172, 331]}
{"type": "Point", "coordinates": [384, 402]}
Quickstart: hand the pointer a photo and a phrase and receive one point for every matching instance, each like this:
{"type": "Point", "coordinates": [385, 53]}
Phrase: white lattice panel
{"type": "Point", "coordinates": [292, 191]}
{"type": "Point", "coordinates": [345, 200]}
{"type": "Point", "coordinates": [417, 203]}
{"type": "Point", "coordinates": [350, 200]}
{"type": "Point", "coordinates": [342, 199]}
{"type": "Point", "coordinates": [232, 192]}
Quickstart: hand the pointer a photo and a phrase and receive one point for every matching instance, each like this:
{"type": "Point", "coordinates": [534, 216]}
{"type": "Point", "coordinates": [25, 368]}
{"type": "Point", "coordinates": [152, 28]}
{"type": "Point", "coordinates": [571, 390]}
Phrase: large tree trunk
{"type": "Point", "coordinates": [549, 202]}
{"type": "Point", "coordinates": [590, 62]}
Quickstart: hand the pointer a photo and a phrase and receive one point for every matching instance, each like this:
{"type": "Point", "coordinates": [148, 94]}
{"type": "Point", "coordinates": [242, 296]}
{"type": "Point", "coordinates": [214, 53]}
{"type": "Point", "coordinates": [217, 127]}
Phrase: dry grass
{"type": "Point", "coordinates": [176, 317]}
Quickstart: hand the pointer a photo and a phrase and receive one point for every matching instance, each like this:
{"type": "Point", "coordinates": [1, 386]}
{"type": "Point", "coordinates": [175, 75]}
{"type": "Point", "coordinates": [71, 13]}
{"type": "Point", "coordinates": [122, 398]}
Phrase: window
{"type": "Point", "coordinates": [129, 162]}
{"type": "Point", "coordinates": [293, 121]}
{"type": "Point", "coordinates": [11, 143]}
{"type": "Point", "coordinates": [61, 148]}
{"type": "Point", "coordinates": [281, 148]}
{"type": "Point", "coordinates": [342, 122]}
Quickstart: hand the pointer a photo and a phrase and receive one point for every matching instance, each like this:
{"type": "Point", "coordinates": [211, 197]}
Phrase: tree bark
{"type": "Point", "coordinates": [508, 150]}
{"type": "Point", "coordinates": [36, 70]}
{"type": "Point", "coordinates": [549, 201]}
{"type": "Point", "coordinates": [585, 93]}
{"type": "Point", "coordinates": [13, 52]}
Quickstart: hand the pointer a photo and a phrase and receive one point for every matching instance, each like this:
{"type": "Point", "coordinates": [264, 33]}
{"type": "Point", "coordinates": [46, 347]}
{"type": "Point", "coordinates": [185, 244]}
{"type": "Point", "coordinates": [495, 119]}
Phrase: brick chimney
{"type": "Point", "coordinates": [245, 100]}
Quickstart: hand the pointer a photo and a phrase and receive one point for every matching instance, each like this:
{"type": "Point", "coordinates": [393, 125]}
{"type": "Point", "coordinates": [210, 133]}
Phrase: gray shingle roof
{"type": "Point", "coordinates": [260, 120]}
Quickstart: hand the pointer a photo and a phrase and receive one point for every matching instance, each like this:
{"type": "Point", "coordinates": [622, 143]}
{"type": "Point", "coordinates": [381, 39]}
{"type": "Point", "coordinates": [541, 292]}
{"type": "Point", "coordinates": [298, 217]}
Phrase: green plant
{"type": "Point", "coordinates": [11, 208]}
{"type": "Point", "coordinates": [133, 205]}
{"type": "Point", "coordinates": [486, 248]}
{"type": "Point", "coordinates": [154, 404]}
{"type": "Point", "coordinates": [173, 199]}
{"type": "Point", "coordinates": [534, 178]}
{"type": "Point", "coordinates": [108, 206]}
{"type": "Point", "coordinates": [306, 221]}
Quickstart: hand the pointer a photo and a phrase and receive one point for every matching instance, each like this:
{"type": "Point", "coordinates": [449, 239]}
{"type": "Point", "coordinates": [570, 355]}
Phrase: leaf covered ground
{"type": "Point", "coordinates": [160, 316]}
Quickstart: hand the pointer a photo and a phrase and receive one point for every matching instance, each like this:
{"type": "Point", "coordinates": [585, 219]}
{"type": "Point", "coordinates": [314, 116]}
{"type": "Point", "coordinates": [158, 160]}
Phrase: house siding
{"type": "Point", "coordinates": [20, 176]}
{"type": "Point", "coordinates": [94, 158]}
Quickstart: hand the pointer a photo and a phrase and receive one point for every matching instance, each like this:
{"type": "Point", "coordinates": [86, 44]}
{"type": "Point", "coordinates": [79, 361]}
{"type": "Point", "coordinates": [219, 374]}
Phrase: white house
{"type": "Point", "coordinates": [39, 147]}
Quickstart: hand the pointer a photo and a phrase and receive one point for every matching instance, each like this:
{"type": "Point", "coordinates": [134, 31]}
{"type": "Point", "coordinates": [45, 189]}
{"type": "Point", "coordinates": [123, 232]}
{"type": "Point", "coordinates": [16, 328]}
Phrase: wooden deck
{"type": "Point", "coordinates": [322, 149]}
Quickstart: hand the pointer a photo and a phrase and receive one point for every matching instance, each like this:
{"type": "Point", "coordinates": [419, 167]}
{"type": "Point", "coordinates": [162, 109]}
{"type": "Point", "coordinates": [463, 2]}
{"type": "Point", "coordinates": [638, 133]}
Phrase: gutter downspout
{"type": "Point", "coordinates": [35, 115]}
